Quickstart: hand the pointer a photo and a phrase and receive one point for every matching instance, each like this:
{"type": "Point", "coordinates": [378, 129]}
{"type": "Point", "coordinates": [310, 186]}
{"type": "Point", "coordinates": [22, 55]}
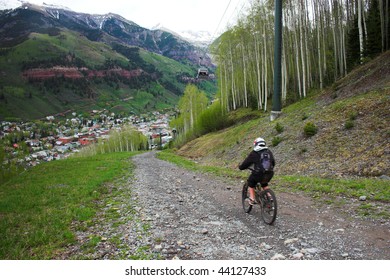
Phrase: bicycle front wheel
{"type": "Point", "coordinates": [245, 198]}
{"type": "Point", "coordinates": [268, 206]}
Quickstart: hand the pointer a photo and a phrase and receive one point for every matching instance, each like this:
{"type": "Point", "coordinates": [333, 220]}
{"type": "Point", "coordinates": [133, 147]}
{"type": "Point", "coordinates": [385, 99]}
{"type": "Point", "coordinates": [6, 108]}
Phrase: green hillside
{"type": "Point", "coordinates": [352, 122]}
{"type": "Point", "coordinates": [157, 87]}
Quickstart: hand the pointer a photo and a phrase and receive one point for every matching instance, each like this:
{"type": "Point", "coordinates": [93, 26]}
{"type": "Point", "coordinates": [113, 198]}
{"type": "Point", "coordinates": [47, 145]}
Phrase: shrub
{"type": "Point", "coordinates": [276, 140]}
{"type": "Point", "coordinates": [349, 124]}
{"type": "Point", "coordinates": [353, 116]}
{"type": "Point", "coordinates": [279, 128]}
{"type": "Point", "coordinates": [310, 129]}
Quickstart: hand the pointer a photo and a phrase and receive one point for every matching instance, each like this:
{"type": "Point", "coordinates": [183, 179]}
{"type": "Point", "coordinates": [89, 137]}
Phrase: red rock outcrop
{"type": "Point", "coordinates": [77, 73]}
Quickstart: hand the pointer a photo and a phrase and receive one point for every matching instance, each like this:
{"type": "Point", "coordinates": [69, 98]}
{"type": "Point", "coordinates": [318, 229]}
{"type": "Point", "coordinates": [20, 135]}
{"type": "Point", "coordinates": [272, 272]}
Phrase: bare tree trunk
{"type": "Point", "coordinates": [297, 56]}
{"type": "Point", "coordinates": [226, 88]}
{"type": "Point", "coordinates": [233, 86]}
{"type": "Point", "coordinates": [316, 13]}
{"type": "Point", "coordinates": [302, 38]}
{"type": "Point", "coordinates": [382, 24]}
{"type": "Point", "coordinates": [260, 106]}
{"type": "Point", "coordinates": [360, 26]}
{"type": "Point", "coordinates": [221, 84]}
{"type": "Point", "coordinates": [244, 65]}
{"type": "Point", "coordinates": [387, 24]}
{"type": "Point", "coordinates": [334, 28]}
{"type": "Point", "coordinates": [265, 71]}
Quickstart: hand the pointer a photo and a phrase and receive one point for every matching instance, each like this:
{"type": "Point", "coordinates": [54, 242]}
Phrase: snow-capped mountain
{"type": "Point", "coordinates": [202, 38]}
{"type": "Point", "coordinates": [198, 38]}
{"type": "Point", "coordinates": [58, 7]}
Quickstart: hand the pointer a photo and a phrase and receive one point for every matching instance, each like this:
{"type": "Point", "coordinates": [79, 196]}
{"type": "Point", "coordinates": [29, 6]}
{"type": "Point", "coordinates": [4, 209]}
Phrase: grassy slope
{"type": "Point", "coordinates": [39, 208]}
{"type": "Point", "coordinates": [361, 98]}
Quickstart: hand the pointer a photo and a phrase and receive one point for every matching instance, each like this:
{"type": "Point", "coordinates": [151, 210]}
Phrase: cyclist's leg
{"type": "Point", "coordinates": [266, 178]}
{"type": "Point", "coordinates": [252, 194]}
{"type": "Point", "coordinates": [264, 186]}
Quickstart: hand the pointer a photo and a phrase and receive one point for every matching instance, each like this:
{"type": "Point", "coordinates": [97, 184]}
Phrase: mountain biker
{"type": "Point", "coordinates": [258, 175]}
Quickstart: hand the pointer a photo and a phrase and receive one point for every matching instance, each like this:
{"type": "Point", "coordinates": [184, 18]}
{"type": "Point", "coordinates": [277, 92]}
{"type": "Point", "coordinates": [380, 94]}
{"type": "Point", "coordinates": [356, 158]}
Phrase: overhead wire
{"type": "Point", "coordinates": [235, 10]}
{"type": "Point", "coordinates": [223, 15]}
{"type": "Point", "coordinates": [227, 7]}
{"type": "Point", "coordinates": [220, 21]}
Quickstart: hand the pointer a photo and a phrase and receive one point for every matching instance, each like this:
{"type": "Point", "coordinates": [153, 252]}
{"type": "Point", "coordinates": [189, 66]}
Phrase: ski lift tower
{"type": "Point", "coordinates": [276, 98]}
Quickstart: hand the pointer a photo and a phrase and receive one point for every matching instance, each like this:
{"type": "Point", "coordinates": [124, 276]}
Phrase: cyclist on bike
{"type": "Point", "coordinates": [259, 174]}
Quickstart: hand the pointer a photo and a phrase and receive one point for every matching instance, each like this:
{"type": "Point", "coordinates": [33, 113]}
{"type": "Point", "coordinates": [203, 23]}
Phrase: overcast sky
{"type": "Point", "coordinates": [177, 15]}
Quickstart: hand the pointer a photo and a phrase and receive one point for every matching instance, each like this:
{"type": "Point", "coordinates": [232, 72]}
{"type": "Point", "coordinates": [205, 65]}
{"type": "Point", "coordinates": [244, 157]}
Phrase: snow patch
{"type": "Point", "coordinates": [58, 7]}
{"type": "Point", "coordinates": [10, 4]}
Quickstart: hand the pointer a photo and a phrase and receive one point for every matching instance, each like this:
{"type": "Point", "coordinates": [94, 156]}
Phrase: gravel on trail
{"type": "Point", "coordinates": [181, 214]}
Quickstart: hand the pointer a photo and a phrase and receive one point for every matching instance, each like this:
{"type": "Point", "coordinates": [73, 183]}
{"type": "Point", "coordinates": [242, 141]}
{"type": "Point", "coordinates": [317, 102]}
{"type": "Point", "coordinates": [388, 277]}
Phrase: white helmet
{"type": "Point", "coordinates": [259, 144]}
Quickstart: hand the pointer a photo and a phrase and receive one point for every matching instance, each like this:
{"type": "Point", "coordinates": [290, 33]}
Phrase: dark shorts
{"type": "Point", "coordinates": [263, 179]}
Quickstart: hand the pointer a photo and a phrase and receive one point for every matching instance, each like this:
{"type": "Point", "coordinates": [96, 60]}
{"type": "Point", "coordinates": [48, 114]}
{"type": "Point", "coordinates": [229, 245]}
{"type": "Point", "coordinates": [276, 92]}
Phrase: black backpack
{"type": "Point", "coordinates": [265, 163]}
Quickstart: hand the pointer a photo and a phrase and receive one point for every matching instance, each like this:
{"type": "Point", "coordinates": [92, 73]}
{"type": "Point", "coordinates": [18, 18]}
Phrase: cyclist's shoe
{"type": "Point", "coordinates": [251, 201]}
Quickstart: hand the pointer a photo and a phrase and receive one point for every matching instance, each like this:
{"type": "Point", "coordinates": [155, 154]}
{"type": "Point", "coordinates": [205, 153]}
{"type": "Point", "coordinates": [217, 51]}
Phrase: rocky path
{"type": "Point", "coordinates": [197, 216]}
{"type": "Point", "coordinates": [179, 214]}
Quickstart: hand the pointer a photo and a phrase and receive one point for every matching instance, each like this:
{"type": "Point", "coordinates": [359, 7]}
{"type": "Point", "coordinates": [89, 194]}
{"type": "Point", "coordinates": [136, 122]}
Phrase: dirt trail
{"type": "Point", "coordinates": [167, 212]}
{"type": "Point", "coordinates": [197, 216]}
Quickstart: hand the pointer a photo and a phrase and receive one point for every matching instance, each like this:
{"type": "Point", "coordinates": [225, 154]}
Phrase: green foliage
{"type": "Point", "coordinates": [236, 50]}
{"type": "Point", "coordinates": [373, 43]}
{"type": "Point", "coordinates": [38, 207]}
{"type": "Point", "coordinates": [279, 128]}
{"type": "Point", "coordinates": [212, 119]}
{"type": "Point", "coordinates": [310, 129]}
{"type": "Point", "coordinates": [349, 124]}
{"type": "Point", "coordinates": [276, 141]}
{"type": "Point", "coordinates": [191, 106]}
{"type": "Point", "coordinates": [353, 116]}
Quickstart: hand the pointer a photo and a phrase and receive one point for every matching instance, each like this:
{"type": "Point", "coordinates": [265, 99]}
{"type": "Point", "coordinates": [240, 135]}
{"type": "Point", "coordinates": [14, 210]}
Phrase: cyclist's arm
{"type": "Point", "coordinates": [251, 159]}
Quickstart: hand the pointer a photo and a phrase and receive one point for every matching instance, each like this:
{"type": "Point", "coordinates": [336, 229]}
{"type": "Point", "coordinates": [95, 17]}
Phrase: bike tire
{"type": "Point", "coordinates": [269, 206]}
{"type": "Point", "coordinates": [245, 195]}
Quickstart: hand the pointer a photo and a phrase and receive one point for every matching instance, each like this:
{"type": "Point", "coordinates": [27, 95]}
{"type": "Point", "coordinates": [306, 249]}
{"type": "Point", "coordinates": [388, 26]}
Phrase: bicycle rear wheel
{"type": "Point", "coordinates": [245, 198]}
{"type": "Point", "coordinates": [268, 206]}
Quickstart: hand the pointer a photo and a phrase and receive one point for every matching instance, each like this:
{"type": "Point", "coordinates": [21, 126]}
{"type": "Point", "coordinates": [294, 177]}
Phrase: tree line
{"type": "Point", "coordinates": [322, 41]}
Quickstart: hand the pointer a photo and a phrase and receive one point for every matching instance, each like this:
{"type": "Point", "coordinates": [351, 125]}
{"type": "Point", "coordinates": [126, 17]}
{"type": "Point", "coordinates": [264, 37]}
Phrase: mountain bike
{"type": "Point", "coordinates": [266, 199]}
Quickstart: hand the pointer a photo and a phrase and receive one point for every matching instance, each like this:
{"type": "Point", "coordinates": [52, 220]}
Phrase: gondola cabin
{"type": "Point", "coordinates": [203, 73]}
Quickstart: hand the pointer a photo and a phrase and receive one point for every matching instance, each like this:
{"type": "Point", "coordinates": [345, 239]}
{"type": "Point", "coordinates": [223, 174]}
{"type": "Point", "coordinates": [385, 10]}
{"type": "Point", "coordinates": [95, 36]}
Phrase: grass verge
{"type": "Point", "coordinates": [38, 207]}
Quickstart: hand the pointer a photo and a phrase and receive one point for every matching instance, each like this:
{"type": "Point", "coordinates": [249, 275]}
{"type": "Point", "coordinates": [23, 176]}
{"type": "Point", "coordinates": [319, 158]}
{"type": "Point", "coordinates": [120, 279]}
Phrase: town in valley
{"type": "Point", "coordinates": [56, 137]}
